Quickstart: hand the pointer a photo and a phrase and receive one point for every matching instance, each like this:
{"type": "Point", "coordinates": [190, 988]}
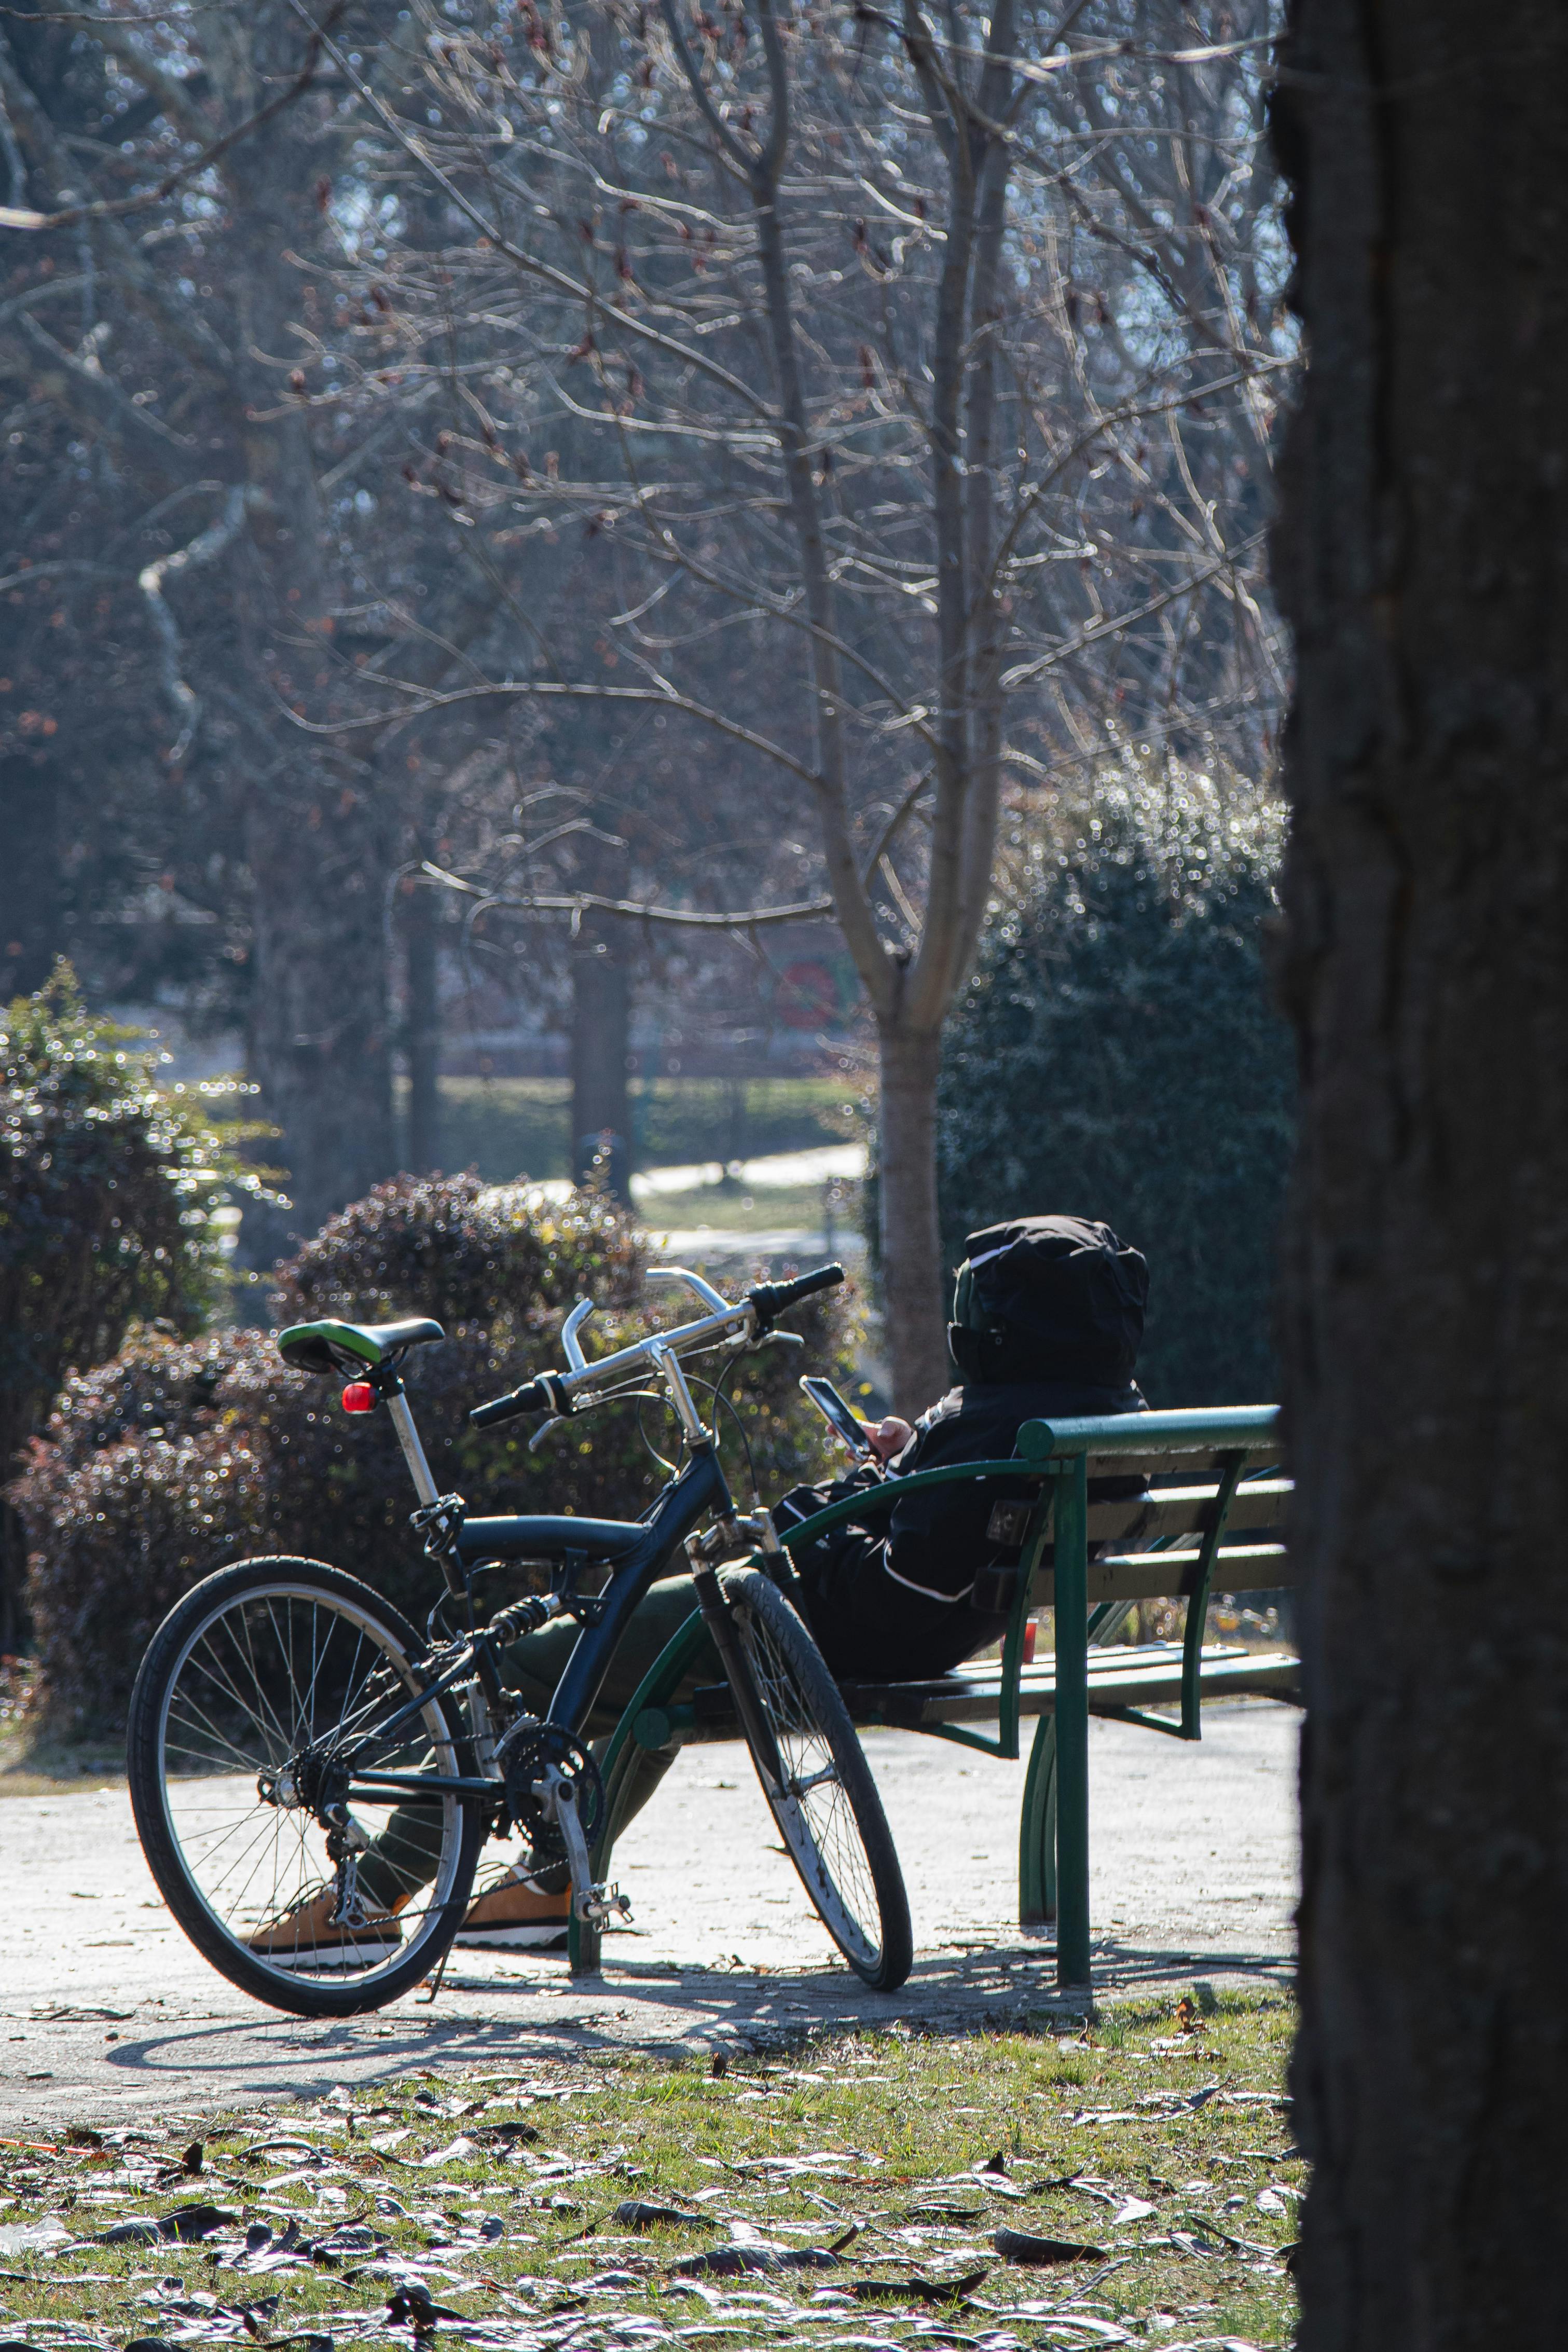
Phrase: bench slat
{"type": "Point", "coordinates": [1145, 1676]}
{"type": "Point", "coordinates": [1172, 1575]}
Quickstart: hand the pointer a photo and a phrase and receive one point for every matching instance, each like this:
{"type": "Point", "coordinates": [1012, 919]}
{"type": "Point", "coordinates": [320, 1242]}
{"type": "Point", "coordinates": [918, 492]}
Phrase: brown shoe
{"type": "Point", "coordinates": [305, 1936]}
{"type": "Point", "coordinates": [512, 1916]}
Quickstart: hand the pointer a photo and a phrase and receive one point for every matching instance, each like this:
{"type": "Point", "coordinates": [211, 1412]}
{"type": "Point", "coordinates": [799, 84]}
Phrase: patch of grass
{"type": "Point", "coordinates": [764, 1208]}
{"type": "Point", "coordinates": [511, 1126]}
{"type": "Point", "coordinates": [1157, 2144]}
{"type": "Point", "coordinates": [34, 1766]}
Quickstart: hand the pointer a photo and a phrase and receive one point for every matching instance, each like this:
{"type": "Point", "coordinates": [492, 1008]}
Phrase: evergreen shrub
{"type": "Point", "coordinates": [107, 1184]}
{"type": "Point", "coordinates": [1116, 1055]}
{"type": "Point", "coordinates": [180, 1455]}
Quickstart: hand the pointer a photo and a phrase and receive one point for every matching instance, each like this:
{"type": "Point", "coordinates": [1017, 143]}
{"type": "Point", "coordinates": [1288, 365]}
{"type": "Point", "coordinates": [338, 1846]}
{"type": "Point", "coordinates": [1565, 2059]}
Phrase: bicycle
{"type": "Point", "coordinates": [291, 1732]}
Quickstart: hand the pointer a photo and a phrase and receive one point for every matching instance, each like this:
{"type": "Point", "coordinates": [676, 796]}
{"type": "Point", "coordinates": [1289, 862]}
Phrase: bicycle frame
{"type": "Point", "coordinates": [635, 1550]}
{"type": "Point", "coordinates": [699, 1487]}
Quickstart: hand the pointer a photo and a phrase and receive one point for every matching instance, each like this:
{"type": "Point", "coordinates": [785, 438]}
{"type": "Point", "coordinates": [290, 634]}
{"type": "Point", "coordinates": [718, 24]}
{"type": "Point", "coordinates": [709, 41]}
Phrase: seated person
{"type": "Point", "coordinates": [1047, 1316]}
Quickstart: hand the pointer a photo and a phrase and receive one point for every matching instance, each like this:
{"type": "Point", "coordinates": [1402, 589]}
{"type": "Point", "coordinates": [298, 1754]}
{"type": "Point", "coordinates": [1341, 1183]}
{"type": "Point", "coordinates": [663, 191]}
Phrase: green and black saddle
{"type": "Point", "coordinates": [332, 1347]}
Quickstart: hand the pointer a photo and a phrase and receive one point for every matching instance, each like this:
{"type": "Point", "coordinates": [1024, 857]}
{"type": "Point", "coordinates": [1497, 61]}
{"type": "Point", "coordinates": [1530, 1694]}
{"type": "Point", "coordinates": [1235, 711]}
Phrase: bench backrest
{"type": "Point", "coordinates": [1159, 1485]}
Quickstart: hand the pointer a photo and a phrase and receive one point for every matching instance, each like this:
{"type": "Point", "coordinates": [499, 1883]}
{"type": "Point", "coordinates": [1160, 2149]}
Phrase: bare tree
{"type": "Point", "coordinates": [1420, 558]}
{"type": "Point", "coordinates": [177, 178]}
{"type": "Point", "coordinates": [912, 386]}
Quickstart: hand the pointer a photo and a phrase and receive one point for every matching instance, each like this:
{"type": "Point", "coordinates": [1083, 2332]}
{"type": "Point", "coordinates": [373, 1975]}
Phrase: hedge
{"type": "Point", "coordinates": [177, 1456]}
{"type": "Point", "coordinates": [1117, 1055]}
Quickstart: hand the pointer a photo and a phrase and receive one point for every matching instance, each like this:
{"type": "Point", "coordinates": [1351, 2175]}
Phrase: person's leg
{"type": "Point", "coordinates": [868, 1625]}
{"type": "Point", "coordinates": [526, 1905]}
{"type": "Point", "coordinates": [404, 1857]}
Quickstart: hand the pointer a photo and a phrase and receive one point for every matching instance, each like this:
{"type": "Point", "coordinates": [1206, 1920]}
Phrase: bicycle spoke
{"type": "Point", "coordinates": [277, 1676]}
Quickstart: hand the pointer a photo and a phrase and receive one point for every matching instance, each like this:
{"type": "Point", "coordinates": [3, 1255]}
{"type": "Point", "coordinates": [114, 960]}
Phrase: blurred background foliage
{"type": "Point", "coordinates": [107, 1187]}
{"type": "Point", "coordinates": [177, 1455]}
{"type": "Point", "coordinates": [1117, 1055]}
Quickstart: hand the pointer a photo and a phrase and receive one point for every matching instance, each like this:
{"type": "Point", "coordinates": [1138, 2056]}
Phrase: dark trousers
{"type": "Point", "coordinates": [404, 1856]}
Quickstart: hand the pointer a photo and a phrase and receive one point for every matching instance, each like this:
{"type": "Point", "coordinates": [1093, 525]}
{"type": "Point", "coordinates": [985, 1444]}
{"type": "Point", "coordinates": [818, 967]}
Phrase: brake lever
{"type": "Point", "coordinates": [542, 1431]}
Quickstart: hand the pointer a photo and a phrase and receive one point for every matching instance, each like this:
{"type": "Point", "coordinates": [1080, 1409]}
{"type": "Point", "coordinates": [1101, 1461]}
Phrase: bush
{"type": "Point", "coordinates": [1116, 1056]}
{"type": "Point", "coordinates": [106, 1186]}
{"type": "Point", "coordinates": [177, 1457]}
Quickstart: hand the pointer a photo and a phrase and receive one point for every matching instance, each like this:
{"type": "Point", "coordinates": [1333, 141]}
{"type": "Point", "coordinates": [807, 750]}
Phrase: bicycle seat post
{"type": "Point", "coordinates": [397, 1405]}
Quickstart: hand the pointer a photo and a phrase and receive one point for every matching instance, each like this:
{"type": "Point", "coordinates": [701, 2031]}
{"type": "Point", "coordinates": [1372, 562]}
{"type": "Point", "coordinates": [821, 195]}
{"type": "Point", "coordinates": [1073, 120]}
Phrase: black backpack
{"type": "Point", "coordinates": [1048, 1298]}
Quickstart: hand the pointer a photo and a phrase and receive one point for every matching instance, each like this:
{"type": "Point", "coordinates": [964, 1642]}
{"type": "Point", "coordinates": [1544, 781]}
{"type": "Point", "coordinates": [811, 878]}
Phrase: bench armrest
{"type": "Point", "coordinates": [871, 1499]}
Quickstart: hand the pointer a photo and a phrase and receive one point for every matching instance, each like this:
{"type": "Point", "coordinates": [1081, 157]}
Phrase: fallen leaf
{"type": "Point", "coordinates": [915, 2287]}
{"type": "Point", "coordinates": [635, 2214]}
{"type": "Point", "coordinates": [1023, 2246]}
{"type": "Point", "coordinates": [728, 2261]}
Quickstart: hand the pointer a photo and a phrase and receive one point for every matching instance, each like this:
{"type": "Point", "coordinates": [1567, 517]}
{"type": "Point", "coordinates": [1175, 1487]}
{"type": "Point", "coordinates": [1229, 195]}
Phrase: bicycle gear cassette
{"type": "Point", "coordinates": [526, 1754]}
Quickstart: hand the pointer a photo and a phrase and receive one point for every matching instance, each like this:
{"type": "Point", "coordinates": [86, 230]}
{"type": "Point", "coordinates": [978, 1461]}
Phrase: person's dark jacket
{"type": "Point", "coordinates": [890, 1599]}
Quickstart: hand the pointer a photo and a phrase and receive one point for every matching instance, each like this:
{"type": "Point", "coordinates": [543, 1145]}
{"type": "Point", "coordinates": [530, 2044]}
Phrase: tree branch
{"type": "Point", "coordinates": [206, 545]}
{"type": "Point", "coordinates": [581, 902]}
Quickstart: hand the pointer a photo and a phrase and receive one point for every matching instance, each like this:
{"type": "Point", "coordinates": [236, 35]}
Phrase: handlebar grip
{"type": "Point", "coordinates": [533, 1397]}
{"type": "Point", "coordinates": [770, 1299]}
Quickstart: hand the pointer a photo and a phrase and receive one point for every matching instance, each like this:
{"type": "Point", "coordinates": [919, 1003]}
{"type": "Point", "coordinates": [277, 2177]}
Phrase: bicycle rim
{"type": "Point", "coordinates": [814, 1809]}
{"type": "Point", "coordinates": [263, 1676]}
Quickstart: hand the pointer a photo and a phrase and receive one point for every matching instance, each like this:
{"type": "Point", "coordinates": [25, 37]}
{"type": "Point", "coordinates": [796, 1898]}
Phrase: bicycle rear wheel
{"type": "Point", "coordinates": [823, 1798]}
{"type": "Point", "coordinates": [254, 1690]}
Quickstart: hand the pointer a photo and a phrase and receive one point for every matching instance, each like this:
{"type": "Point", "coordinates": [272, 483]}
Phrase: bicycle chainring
{"type": "Point", "coordinates": [529, 1750]}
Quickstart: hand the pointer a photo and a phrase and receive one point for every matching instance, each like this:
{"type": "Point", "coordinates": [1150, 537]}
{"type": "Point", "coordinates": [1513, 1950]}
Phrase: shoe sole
{"type": "Point", "coordinates": [534, 1936]}
{"type": "Point", "coordinates": [315, 1958]}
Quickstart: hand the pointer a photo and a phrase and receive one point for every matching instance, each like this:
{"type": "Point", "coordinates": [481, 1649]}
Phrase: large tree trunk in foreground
{"type": "Point", "coordinates": [913, 1271]}
{"type": "Point", "coordinates": [1421, 561]}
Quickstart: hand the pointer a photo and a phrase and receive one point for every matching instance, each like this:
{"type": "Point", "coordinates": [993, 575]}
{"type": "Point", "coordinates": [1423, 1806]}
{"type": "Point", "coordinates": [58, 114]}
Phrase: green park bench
{"type": "Point", "coordinates": [1120, 1510]}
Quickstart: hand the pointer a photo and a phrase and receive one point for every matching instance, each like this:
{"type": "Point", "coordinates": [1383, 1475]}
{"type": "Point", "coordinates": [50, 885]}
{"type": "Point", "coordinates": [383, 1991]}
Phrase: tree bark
{"type": "Point", "coordinates": [422, 1033]}
{"type": "Point", "coordinates": [1426, 970]}
{"type": "Point", "coordinates": [30, 927]}
{"type": "Point", "coordinates": [601, 1034]}
{"type": "Point", "coordinates": [910, 1234]}
{"type": "Point", "coordinates": [319, 1043]}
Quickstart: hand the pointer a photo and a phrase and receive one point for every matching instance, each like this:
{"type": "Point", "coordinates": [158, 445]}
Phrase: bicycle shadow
{"type": "Point", "coordinates": [653, 2007]}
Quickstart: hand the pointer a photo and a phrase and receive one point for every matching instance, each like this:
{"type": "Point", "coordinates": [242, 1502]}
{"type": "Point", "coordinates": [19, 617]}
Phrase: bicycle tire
{"type": "Point", "coordinates": [218, 1694]}
{"type": "Point", "coordinates": [843, 1849]}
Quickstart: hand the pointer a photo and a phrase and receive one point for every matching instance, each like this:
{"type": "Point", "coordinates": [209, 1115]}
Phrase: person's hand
{"type": "Point", "coordinates": [890, 1437]}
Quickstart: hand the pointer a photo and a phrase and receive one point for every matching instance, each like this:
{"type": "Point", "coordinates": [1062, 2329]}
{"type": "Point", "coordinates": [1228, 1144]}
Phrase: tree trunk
{"type": "Point", "coordinates": [30, 930]}
{"type": "Point", "coordinates": [1421, 556]}
{"type": "Point", "coordinates": [422, 1033]}
{"type": "Point", "coordinates": [320, 1041]}
{"type": "Point", "coordinates": [914, 1305]}
{"type": "Point", "coordinates": [600, 1097]}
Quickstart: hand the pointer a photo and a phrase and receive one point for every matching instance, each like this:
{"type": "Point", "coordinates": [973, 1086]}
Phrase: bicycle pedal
{"type": "Point", "coordinates": [602, 1903]}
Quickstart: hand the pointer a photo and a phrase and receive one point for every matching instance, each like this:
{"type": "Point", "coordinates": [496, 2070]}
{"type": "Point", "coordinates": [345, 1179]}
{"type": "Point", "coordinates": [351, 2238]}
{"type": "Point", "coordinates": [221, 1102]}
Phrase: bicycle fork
{"type": "Point", "coordinates": [754, 1723]}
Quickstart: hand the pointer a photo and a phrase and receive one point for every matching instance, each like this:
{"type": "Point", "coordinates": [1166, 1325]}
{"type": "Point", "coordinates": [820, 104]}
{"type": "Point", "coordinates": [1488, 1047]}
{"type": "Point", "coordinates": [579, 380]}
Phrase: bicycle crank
{"type": "Point", "coordinates": [591, 1901]}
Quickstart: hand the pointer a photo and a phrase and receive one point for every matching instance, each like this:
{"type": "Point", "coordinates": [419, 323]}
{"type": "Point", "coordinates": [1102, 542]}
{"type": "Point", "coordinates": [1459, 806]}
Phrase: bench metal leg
{"type": "Point", "coordinates": [1072, 1729]}
{"type": "Point", "coordinates": [1037, 1830]}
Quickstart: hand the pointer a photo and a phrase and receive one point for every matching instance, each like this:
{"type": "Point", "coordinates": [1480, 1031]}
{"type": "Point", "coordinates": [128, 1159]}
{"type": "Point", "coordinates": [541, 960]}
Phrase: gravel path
{"type": "Point", "coordinates": [107, 2012]}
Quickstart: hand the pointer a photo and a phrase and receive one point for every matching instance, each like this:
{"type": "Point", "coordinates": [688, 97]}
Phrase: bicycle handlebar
{"type": "Point", "coordinates": [770, 1299]}
{"type": "Point", "coordinates": [552, 1391]}
{"type": "Point", "coordinates": [533, 1396]}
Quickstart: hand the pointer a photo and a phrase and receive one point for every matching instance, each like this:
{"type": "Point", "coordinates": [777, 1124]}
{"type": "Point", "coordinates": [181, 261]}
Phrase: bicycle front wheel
{"type": "Point", "coordinates": [823, 1797]}
{"type": "Point", "coordinates": [268, 1686]}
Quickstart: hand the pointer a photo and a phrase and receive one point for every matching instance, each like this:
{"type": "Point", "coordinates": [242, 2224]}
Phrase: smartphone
{"type": "Point", "coordinates": [833, 1409]}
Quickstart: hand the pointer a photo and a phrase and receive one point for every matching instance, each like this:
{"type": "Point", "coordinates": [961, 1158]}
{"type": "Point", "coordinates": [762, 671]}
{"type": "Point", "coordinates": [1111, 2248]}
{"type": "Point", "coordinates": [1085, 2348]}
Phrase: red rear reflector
{"type": "Point", "coordinates": [359, 1397]}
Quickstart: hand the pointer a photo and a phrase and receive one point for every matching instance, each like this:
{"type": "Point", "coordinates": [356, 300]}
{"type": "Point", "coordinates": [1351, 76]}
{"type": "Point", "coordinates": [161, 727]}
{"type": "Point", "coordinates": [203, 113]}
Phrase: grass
{"type": "Point", "coordinates": [769, 1207]}
{"type": "Point", "coordinates": [510, 1127]}
{"type": "Point", "coordinates": [1147, 2141]}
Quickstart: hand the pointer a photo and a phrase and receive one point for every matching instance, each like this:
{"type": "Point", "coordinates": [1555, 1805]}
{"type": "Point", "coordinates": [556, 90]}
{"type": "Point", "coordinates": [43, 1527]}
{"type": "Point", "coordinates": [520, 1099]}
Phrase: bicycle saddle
{"type": "Point", "coordinates": [332, 1347]}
